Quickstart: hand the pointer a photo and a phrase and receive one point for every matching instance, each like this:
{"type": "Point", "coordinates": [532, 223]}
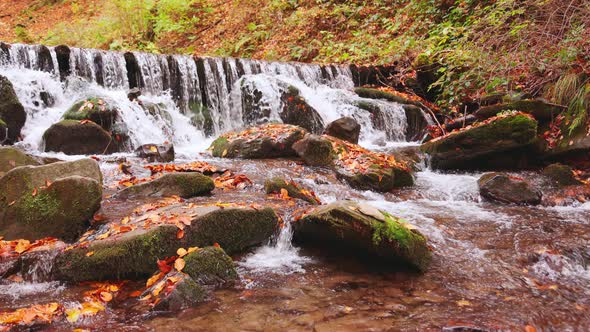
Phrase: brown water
{"type": "Point", "coordinates": [494, 268]}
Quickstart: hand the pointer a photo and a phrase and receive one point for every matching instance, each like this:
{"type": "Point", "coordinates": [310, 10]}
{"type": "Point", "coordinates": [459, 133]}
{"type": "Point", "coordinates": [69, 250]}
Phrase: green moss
{"type": "Point", "coordinates": [2, 124]}
{"type": "Point", "coordinates": [35, 209]}
{"type": "Point", "coordinates": [369, 107]}
{"type": "Point", "coordinates": [292, 90]}
{"type": "Point", "coordinates": [219, 146]}
{"type": "Point", "coordinates": [210, 265]}
{"type": "Point", "coordinates": [194, 185]}
{"type": "Point", "coordinates": [379, 94]}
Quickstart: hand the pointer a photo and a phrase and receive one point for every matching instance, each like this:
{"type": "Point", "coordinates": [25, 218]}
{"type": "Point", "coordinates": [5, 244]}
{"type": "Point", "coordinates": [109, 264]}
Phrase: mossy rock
{"type": "Point", "coordinates": [266, 141]}
{"type": "Point", "coordinates": [95, 109]}
{"type": "Point", "coordinates": [11, 158]}
{"type": "Point", "coordinates": [63, 210]}
{"type": "Point", "coordinates": [12, 112]}
{"type": "Point", "coordinates": [560, 175]}
{"type": "Point", "coordinates": [346, 128]}
{"type": "Point", "coordinates": [365, 230]}
{"type": "Point", "coordinates": [380, 94]}
{"type": "Point", "coordinates": [539, 109]}
{"type": "Point", "coordinates": [77, 138]}
{"type": "Point", "coordinates": [502, 188]}
{"type": "Point", "coordinates": [296, 111]}
{"type": "Point", "coordinates": [134, 254]}
{"type": "Point", "coordinates": [185, 185]}
{"type": "Point", "coordinates": [162, 153]}
{"type": "Point", "coordinates": [274, 186]}
{"type": "Point", "coordinates": [185, 293]}
{"type": "Point", "coordinates": [316, 150]}
{"type": "Point", "coordinates": [459, 149]}
{"type": "Point", "coordinates": [210, 266]}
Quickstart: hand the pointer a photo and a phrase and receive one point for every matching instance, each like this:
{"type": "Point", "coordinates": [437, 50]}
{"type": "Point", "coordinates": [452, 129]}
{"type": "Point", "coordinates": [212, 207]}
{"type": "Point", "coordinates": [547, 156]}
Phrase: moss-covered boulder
{"type": "Point", "coordinates": [131, 247]}
{"type": "Point", "coordinates": [276, 184]}
{"type": "Point", "coordinates": [74, 137]}
{"type": "Point", "coordinates": [473, 147]}
{"type": "Point", "coordinates": [359, 167]}
{"type": "Point", "coordinates": [11, 158]}
{"type": "Point", "coordinates": [296, 111]}
{"type": "Point", "coordinates": [539, 109]}
{"type": "Point", "coordinates": [346, 129]}
{"type": "Point", "coordinates": [503, 188]}
{"type": "Point", "coordinates": [163, 153]}
{"type": "Point", "coordinates": [176, 291]}
{"type": "Point", "coordinates": [266, 141]}
{"type": "Point", "coordinates": [364, 230]}
{"type": "Point", "coordinates": [95, 109]}
{"type": "Point", "coordinates": [63, 210]}
{"type": "Point", "coordinates": [12, 112]}
{"type": "Point", "coordinates": [560, 175]}
{"type": "Point", "coordinates": [185, 185]}
{"type": "Point", "coordinates": [210, 266]}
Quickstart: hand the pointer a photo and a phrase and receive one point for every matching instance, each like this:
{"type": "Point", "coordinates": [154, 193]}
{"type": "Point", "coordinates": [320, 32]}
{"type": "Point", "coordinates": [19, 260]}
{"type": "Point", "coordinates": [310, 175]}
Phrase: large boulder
{"type": "Point", "coordinates": [95, 109]}
{"type": "Point", "coordinates": [346, 128]}
{"type": "Point", "coordinates": [266, 141]}
{"type": "Point", "coordinates": [296, 111]}
{"type": "Point", "coordinates": [365, 230]}
{"type": "Point", "coordinates": [560, 175]}
{"type": "Point", "coordinates": [185, 185]}
{"type": "Point", "coordinates": [11, 158]}
{"type": "Point", "coordinates": [210, 266]}
{"type": "Point", "coordinates": [277, 184]}
{"type": "Point", "coordinates": [74, 137]}
{"type": "Point", "coordinates": [360, 168]}
{"type": "Point", "coordinates": [12, 112]}
{"type": "Point", "coordinates": [475, 146]}
{"type": "Point", "coordinates": [503, 188]}
{"type": "Point", "coordinates": [162, 153]}
{"type": "Point", "coordinates": [63, 210]}
{"type": "Point", "coordinates": [132, 246]}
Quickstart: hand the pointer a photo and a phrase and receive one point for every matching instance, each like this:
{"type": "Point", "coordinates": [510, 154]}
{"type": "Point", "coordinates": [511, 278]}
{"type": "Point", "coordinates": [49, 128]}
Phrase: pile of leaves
{"type": "Point", "coordinates": [14, 248]}
{"type": "Point", "coordinates": [228, 181]}
{"type": "Point", "coordinates": [34, 315]}
{"type": "Point", "coordinates": [356, 159]}
{"type": "Point", "coordinates": [276, 131]}
{"type": "Point", "coordinates": [197, 166]}
{"type": "Point", "coordinates": [554, 135]}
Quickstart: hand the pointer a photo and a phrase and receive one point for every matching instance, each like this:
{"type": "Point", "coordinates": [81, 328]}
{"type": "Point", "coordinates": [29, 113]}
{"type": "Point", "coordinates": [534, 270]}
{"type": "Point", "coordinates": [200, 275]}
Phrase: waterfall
{"type": "Point", "coordinates": [195, 97]}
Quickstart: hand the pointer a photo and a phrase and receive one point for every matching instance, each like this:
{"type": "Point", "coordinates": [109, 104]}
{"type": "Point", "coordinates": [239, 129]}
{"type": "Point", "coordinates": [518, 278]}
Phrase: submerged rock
{"type": "Point", "coordinates": [503, 188]}
{"type": "Point", "coordinates": [475, 146]}
{"type": "Point", "coordinates": [156, 235]}
{"type": "Point", "coordinates": [276, 184]}
{"type": "Point", "coordinates": [296, 111]}
{"type": "Point", "coordinates": [95, 109]}
{"type": "Point", "coordinates": [11, 158]}
{"type": "Point", "coordinates": [162, 153]}
{"type": "Point", "coordinates": [365, 230]}
{"type": "Point", "coordinates": [560, 175]}
{"type": "Point", "coordinates": [12, 113]}
{"type": "Point", "coordinates": [359, 167]}
{"type": "Point", "coordinates": [185, 185]}
{"type": "Point", "coordinates": [346, 128]}
{"type": "Point", "coordinates": [265, 141]}
{"type": "Point", "coordinates": [210, 266]}
{"type": "Point", "coordinates": [78, 138]}
{"type": "Point", "coordinates": [63, 210]}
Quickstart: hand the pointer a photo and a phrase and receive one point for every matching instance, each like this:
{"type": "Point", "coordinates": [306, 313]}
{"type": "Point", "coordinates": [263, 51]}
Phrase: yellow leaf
{"type": "Point", "coordinates": [73, 315]}
{"type": "Point", "coordinates": [90, 253]}
{"type": "Point", "coordinates": [22, 246]}
{"type": "Point", "coordinates": [179, 264]}
{"type": "Point", "coordinates": [181, 252]}
{"type": "Point", "coordinates": [192, 249]}
{"type": "Point", "coordinates": [153, 280]}
{"type": "Point", "coordinates": [463, 303]}
{"type": "Point", "coordinates": [158, 288]}
{"type": "Point", "coordinates": [224, 153]}
{"type": "Point", "coordinates": [153, 149]}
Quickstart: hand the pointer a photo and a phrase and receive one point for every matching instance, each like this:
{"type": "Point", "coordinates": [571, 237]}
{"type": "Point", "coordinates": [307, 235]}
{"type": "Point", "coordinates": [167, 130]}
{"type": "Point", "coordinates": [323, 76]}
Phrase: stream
{"type": "Point", "coordinates": [494, 268]}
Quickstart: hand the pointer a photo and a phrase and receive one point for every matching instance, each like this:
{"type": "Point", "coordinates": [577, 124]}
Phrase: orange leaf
{"type": "Point", "coordinates": [22, 246]}
{"type": "Point", "coordinates": [106, 296]}
{"type": "Point", "coordinates": [180, 234]}
{"type": "Point", "coordinates": [34, 192]}
{"type": "Point", "coordinates": [90, 253]}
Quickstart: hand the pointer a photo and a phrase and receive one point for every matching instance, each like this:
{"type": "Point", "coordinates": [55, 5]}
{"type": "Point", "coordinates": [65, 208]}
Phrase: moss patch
{"type": "Point", "coordinates": [210, 266]}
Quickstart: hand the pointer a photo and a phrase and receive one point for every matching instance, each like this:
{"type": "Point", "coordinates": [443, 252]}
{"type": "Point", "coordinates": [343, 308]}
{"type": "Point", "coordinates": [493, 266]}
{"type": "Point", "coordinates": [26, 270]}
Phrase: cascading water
{"type": "Point", "coordinates": [196, 97]}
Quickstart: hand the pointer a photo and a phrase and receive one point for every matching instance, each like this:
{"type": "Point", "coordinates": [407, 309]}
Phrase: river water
{"type": "Point", "coordinates": [494, 267]}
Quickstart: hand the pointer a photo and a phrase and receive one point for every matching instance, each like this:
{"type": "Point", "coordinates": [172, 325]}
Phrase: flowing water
{"type": "Point", "coordinates": [494, 268]}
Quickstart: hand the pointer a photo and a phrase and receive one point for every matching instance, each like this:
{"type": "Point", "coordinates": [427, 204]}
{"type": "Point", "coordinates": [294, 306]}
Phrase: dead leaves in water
{"type": "Point", "coordinates": [197, 166]}
{"type": "Point", "coordinates": [35, 314]}
{"type": "Point", "coordinates": [229, 181]}
{"type": "Point", "coordinates": [17, 247]}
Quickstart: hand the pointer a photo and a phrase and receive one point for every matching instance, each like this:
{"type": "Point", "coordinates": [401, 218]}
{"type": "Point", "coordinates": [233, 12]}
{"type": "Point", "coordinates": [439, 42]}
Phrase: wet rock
{"type": "Point", "coordinates": [377, 117]}
{"type": "Point", "coordinates": [175, 292]}
{"type": "Point", "coordinates": [366, 230]}
{"type": "Point", "coordinates": [210, 266]}
{"type": "Point", "coordinates": [503, 188]}
{"type": "Point", "coordinates": [133, 94]}
{"type": "Point", "coordinates": [539, 109]}
{"type": "Point", "coordinates": [11, 158]}
{"type": "Point", "coordinates": [560, 175]}
{"type": "Point", "coordinates": [95, 109]}
{"type": "Point", "coordinates": [76, 138]}
{"type": "Point", "coordinates": [185, 185]}
{"type": "Point", "coordinates": [477, 146]}
{"type": "Point", "coordinates": [296, 111]}
{"type": "Point", "coordinates": [346, 128]}
{"type": "Point", "coordinates": [274, 186]}
{"type": "Point", "coordinates": [162, 153]}
{"type": "Point", "coordinates": [568, 195]}
{"type": "Point", "coordinates": [62, 210]}
{"type": "Point", "coordinates": [380, 94]}
{"type": "Point", "coordinates": [133, 254]}
{"type": "Point", "coordinates": [12, 113]}
{"type": "Point", "coordinates": [572, 144]}
{"type": "Point", "coordinates": [360, 168]}
{"type": "Point", "coordinates": [417, 123]}
{"type": "Point", "coordinates": [265, 141]}
{"type": "Point", "coordinates": [255, 109]}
